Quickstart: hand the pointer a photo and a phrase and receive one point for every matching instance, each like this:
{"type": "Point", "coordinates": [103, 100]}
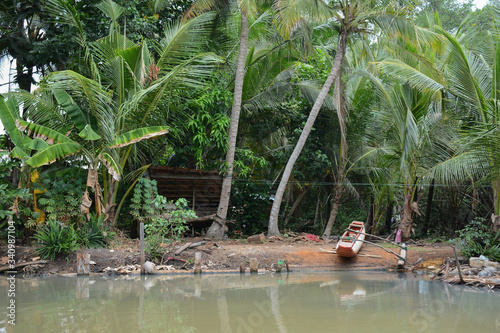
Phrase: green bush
{"type": "Point", "coordinates": [169, 226]}
{"type": "Point", "coordinates": [475, 240]}
{"type": "Point", "coordinates": [160, 224]}
{"type": "Point", "coordinates": [93, 234]}
{"type": "Point", "coordinates": [55, 239]}
{"type": "Point", "coordinates": [62, 198]}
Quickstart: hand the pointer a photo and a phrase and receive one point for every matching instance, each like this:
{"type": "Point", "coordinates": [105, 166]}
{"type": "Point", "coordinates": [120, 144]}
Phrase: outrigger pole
{"type": "Point", "coordinates": [378, 237]}
{"type": "Point", "coordinates": [383, 248]}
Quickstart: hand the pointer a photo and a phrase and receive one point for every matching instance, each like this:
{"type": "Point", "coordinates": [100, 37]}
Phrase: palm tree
{"type": "Point", "coordinates": [352, 17]}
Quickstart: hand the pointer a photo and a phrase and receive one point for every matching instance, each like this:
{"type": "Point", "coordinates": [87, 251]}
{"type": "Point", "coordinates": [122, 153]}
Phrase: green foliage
{"type": "Point", "coordinates": [167, 226]}
{"type": "Point", "coordinates": [93, 234]}
{"type": "Point", "coordinates": [142, 208]}
{"type": "Point", "coordinates": [55, 239]}
{"type": "Point", "coordinates": [62, 198]}
{"type": "Point", "coordinates": [246, 162]}
{"type": "Point", "coordinates": [209, 123]}
{"type": "Point", "coordinates": [475, 240]}
{"type": "Point", "coordinates": [8, 192]}
{"type": "Point", "coordinates": [250, 207]}
{"type": "Point", "coordinates": [164, 220]}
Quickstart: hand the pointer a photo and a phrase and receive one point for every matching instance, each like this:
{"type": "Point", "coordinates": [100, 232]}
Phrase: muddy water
{"type": "Point", "coordinates": [309, 303]}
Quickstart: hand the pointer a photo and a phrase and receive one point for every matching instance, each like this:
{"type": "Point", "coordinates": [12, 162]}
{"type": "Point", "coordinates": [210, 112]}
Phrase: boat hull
{"type": "Point", "coordinates": [350, 243]}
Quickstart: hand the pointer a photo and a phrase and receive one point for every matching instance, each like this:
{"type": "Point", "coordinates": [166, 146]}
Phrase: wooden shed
{"type": "Point", "coordinates": [201, 188]}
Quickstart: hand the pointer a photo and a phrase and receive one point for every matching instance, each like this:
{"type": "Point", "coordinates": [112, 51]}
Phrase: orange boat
{"type": "Point", "coordinates": [352, 240]}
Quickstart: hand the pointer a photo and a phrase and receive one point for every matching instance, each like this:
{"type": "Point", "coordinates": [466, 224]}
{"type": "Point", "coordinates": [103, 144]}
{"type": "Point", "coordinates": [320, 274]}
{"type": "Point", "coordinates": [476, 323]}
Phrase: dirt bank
{"type": "Point", "coordinates": [301, 253]}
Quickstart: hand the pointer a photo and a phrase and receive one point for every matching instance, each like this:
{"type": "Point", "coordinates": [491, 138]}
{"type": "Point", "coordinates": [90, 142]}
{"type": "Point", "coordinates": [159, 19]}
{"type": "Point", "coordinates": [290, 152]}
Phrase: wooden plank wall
{"type": "Point", "coordinates": [200, 188]}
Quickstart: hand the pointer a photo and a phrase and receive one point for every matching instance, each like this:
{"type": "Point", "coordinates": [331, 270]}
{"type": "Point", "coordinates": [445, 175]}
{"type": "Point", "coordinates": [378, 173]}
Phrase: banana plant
{"type": "Point", "coordinates": [60, 146]}
{"type": "Point", "coordinates": [119, 103]}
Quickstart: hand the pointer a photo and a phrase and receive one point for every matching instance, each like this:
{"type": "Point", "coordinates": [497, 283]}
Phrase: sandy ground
{"type": "Point", "coordinates": [300, 252]}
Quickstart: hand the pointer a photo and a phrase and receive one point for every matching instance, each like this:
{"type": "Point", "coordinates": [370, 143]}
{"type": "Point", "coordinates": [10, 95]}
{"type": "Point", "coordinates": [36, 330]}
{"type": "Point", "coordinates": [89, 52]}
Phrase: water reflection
{"type": "Point", "coordinates": [370, 302]}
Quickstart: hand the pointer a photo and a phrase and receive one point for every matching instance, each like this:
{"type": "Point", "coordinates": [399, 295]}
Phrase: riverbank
{"type": "Point", "coordinates": [301, 253]}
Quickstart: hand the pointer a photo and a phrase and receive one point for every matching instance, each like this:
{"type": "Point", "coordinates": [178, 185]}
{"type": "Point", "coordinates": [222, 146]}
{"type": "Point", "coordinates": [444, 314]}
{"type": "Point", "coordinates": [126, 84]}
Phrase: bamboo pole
{"type": "Point", "coordinates": [381, 238]}
{"type": "Point", "coordinates": [383, 248]}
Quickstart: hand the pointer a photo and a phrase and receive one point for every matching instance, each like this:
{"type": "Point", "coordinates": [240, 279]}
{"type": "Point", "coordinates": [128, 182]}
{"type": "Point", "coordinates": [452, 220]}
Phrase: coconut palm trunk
{"type": "Point", "coordinates": [273, 219]}
{"type": "Point", "coordinates": [217, 230]}
{"type": "Point", "coordinates": [341, 114]}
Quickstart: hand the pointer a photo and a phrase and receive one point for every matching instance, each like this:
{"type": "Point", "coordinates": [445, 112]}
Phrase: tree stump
{"type": "Point", "coordinates": [197, 263]}
{"type": "Point", "coordinates": [254, 265]}
{"type": "Point", "coordinates": [256, 239]}
{"type": "Point", "coordinates": [242, 268]}
{"type": "Point", "coordinates": [82, 264]}
{"type": "Point", "coordinates": [280, 265]}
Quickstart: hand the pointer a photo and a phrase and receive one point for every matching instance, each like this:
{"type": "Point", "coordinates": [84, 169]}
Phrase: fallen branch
{"type": "Point", "coordinates": [446, 266]}
{"type": "Point", "coordinates": [22, 264]}
{"type": "Point", "coordinates": [188, 246]}
{"type": "Point", "coordinates": [182, 248]}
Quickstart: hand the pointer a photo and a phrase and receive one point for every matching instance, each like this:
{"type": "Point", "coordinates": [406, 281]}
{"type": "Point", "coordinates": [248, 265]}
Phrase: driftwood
{"type": "Point", "coordinates": [185, 246]}
{"type": "Point", "coordinates": [446, 266]}
{"type": "Point", "coordinates": [22, 264]}
{"type": "Point", "coordinates": [256, 239]}
{"type": "Point", "coordinates": [474, 281]}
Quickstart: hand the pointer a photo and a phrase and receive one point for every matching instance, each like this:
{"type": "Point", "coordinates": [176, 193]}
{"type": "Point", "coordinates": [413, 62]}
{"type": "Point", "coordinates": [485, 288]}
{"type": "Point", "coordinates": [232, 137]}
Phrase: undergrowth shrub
{"type": "Point", "coordinates": [475, 240]}
{"type": "Point", "coordinates": [55, 239]}
{"type": "Point", "coordinates": [93, 234]}
{"type": "Point", "coordinates": [163, 221]}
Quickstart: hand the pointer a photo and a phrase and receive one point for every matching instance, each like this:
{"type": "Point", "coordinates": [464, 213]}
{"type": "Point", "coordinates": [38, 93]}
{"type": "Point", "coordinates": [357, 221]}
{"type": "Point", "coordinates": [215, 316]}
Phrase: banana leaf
{"type": "Point", "coordinates": [138, 135]}
{"type": "Point", "coordinates": [110, 164]}
{"type": "Point", "coordinates": [72, 109]}
{"type": "Point", "coordinates": [9, 113]}
{"type": "Point", "coordinates": [53, 153]}
{"type": "Point", "coordinates": [42, 132]}
{"type": "Point", "coordinates": [88, 134]}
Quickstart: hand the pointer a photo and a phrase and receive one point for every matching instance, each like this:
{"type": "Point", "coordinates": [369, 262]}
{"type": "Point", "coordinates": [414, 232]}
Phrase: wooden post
{"type": "Point", "coordinates": [446, 272]}
{"type": "Point", "coordinates": [254, 265]}
{"type": "Point", "coordinates": [286, 265]}
{"type": "Point", "coordinates": [197, 263]}
{"type": "Point", "coordinates": [242, 268]}
{"type": "Point", "coordinates": [83, 264]}
{"type": "Point", "coordinates": [458, 266]}
{"type": "Point", "coordinates": [141, 240]}
{"type": "Point", "coordinates": [280, 264]}
{"type": "Point", "coordinates": [402, 258]}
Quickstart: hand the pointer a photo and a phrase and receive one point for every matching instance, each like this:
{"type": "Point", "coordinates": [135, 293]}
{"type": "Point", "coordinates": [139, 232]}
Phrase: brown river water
{"type": "Point", "coordinates": [298, 302]}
